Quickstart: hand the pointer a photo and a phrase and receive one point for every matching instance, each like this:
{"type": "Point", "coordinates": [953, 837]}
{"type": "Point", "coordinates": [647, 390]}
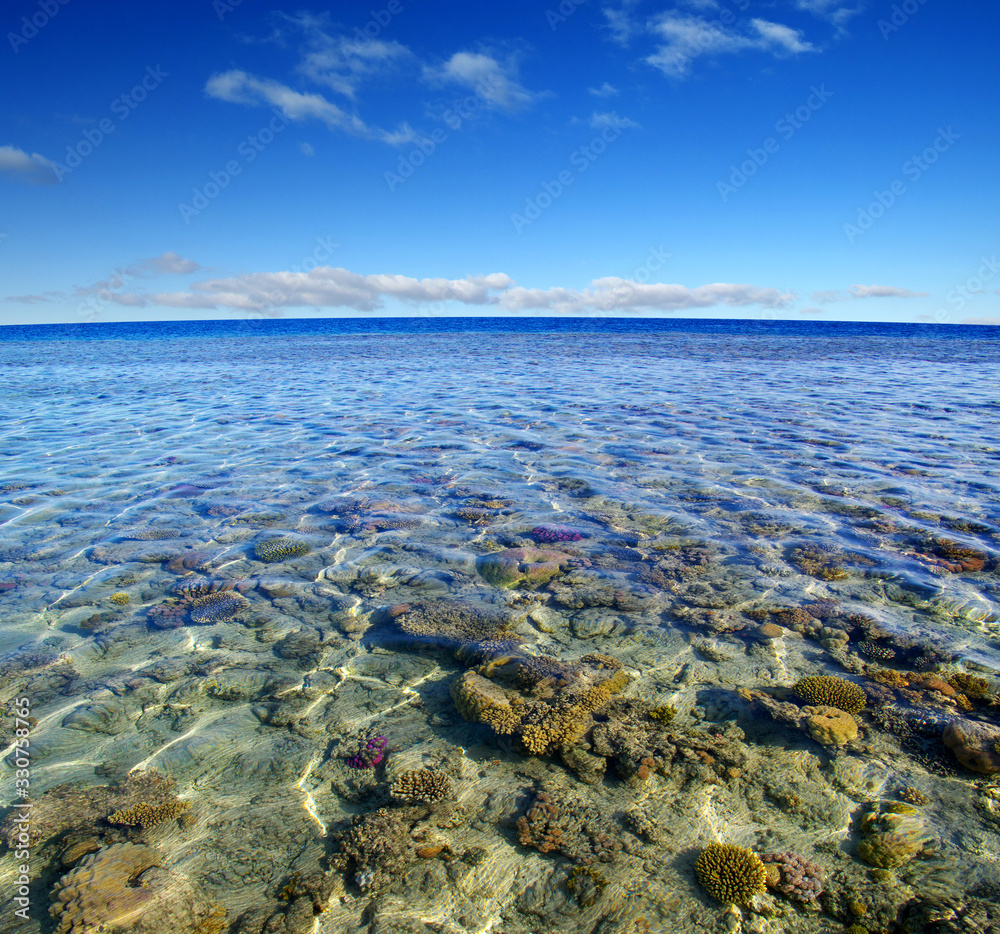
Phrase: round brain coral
{"type": "Point", "coordinates": [732, 874]}
{"type": "Point", "coordinates": [828, 691]}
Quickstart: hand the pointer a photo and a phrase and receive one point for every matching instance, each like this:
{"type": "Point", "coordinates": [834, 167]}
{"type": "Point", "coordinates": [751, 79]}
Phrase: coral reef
{"type": "Point", "coordinates": [273, 550]}
{"type": "Point", "coordinates": [830, 725]}
{"type": "Point", "coordinates": [67, 807]}
{"type": "Point", "coordinates": [453, 624]}
{"type": "Point", "coordinates": [148, 815]}
{"type": "Point", "coordinates": [377, 846]}
{"type": "Point", "coordinates": [892, 834]}
{"type": "Point", "coordinates": [370, 753]}
{"type": "Point", "coordinates": [587, 884]}
{"type": "Point", "coordinates": [796, 877]}
{"type": "Point", "coordinates": [100, 892]}
{"type": "Point", "coordinates": [828, 691]}
{"type": "Point", "coordinates": [527, 568]}
{"type": "Point", "coordinates": [216, 607]}
{"type": "Point", "coordinates": [568, 827]}
{"type": "Point", "coordinates": [421, 786]}
{"type": "Point", "coordinates": [975, 745]}
{"type": "Point", "coordinates": [553, 712]}
{"type": "Point", "coordinates": [120, 598]}
{"type": "Point", "coordinates": [732, 874]}
{"type": "Point", "coordinates": [546, 534]}
{"type": "Point", "coordinates": [120, 887]}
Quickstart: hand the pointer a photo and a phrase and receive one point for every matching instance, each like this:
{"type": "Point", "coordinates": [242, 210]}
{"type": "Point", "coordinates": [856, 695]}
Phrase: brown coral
{"type": "Point", "coordinates": [828, 691]}
{"type": "Point", "coordinates": [121, 887]}
{"type": "Point", "coordinates": [147, 815]}
{"type": "Point", "coordinates": [101, 892]}
{"type": "Point", "coordinates": [830, 725]}
{"type": "Point", "coordinates": [216, 607]}
{"type": "Point", "coordinates": [421, 786]}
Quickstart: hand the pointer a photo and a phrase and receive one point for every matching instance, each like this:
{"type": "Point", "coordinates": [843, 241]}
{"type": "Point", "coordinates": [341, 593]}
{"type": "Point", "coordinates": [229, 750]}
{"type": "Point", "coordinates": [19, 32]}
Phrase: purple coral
{"type": "Point", "coordinates": [798, 878]}
{"type": "Point", "coordinates": [555, 533]}
{"type": "Point", "coordinates": [370, 754]}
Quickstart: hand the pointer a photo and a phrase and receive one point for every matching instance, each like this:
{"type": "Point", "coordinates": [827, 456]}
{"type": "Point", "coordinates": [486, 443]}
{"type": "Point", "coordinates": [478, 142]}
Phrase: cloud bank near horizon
{"type": "Point", "coordinates": [328, 287]}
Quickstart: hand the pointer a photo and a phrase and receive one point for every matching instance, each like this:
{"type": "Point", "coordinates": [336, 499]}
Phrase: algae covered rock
{"type": "Point", "coordinates": [528, 568]}
{"type": "Point", "coordinates": [732, 874]}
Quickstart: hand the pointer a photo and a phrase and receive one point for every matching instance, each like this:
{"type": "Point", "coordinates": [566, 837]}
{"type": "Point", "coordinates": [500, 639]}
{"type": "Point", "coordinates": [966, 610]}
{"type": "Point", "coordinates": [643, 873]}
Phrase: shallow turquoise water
{"type": "Point", "coordinates": [807, 471]}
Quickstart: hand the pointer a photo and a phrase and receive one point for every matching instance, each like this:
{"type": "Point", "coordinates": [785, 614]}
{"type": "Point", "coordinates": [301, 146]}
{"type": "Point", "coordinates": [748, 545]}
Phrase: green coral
{"type": "Point", "coordinates": [665, 713]}
{"type": "Point", "coordinates": [732, 874]}
{"type": "Point", "coordinates": [279, 549]}
{"type": "Point", "coordinates": [828, 691]}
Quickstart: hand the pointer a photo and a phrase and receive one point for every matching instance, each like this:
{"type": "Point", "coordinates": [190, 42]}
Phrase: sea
{"type": "Point", "coordinates": [469, 625]}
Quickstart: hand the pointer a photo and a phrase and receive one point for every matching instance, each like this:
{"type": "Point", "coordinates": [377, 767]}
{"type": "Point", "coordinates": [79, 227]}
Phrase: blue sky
{"type": "Point", "coordinates": [709, 158]}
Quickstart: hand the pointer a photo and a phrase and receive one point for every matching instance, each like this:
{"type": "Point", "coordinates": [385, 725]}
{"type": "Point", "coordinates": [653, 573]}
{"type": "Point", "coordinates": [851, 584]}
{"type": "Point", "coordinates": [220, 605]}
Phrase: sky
{"type": "Point", "coordinates": [741, 159]}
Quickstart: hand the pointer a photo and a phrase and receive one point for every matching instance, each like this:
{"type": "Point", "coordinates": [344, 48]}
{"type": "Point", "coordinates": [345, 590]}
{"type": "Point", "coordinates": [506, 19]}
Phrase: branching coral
{"type": "Point", "coordinates": [541, 724]}
{"type": "Point", "coordinates": [732, 874]}
{"type": "Point", "coordinates": [421, 786]}
{"type": "Point", "coordinates": [828, 691]}
{"type": "Point", "coordinates": [148, 815]}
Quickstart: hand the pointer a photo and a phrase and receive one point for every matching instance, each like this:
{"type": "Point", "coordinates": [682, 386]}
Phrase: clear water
{"type": "Point", "coordinates": [853, 471]}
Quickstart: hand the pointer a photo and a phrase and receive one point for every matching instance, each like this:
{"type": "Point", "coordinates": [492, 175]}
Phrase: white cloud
{"type": "Point", "coordinates": [341, 64]}
{"type": "Point", "coordinates": [328, 287]}
{"type": "Point", "coordinates": [686, 38]}
{"type": "Point", "coordinates": [811, 311]}
{"type": "Point", "coordinates": [496, 83]}
{"type": "Point", "coordinates": [166, 264]}
{"type": "Point", "coordinates": [17, 165]}
{"type": "Point", "coordinates": [238, 87]}
{"type": "Point", "coordinates": [883, 291]}
{"type": "Point", "coordinates": [306, 149]}
{"type": "Point", "coordinates": [611, 119]}
{"type": "Point", "coordinates": [783, 38]}
{"type": "Point", "coordinates": [832, 10]}
{"type": "Point", "coordinates": [864, 291]}
{"type": "Point", "coordinates": [615, 294]}
{"type": "Point", "coordinates": [605, 90]}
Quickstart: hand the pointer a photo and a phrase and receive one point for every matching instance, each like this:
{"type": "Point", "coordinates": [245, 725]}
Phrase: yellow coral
{"type": "Point", "coordinates": [828, 691]}
{"type": "Point", "coordinates": [732, 874]}
{"type": "Point", "coordinates": [121, 598]}
{"type": "Point", "coordinates": [830, 725]}
{"type": "Point", "coordinates": [147, 815]}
